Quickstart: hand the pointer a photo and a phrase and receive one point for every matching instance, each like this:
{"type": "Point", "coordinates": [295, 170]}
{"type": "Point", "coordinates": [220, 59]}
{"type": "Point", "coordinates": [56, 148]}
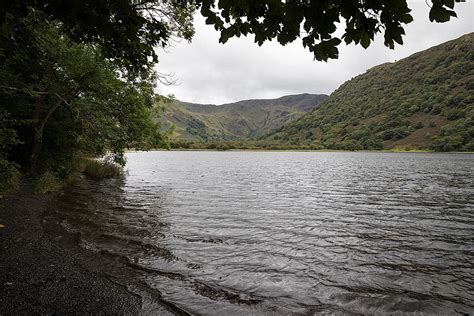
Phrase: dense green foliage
{"type": "Point", "coordinates": [246, 119]}
{"type": "Point", "coordinates": [62, 100]}
{"type": "Point", "coordinates": [127, 31]}
{"type": "Point", "coordinates": [77, 79]}
{"type": "Point", "coordinates": [424, 101]}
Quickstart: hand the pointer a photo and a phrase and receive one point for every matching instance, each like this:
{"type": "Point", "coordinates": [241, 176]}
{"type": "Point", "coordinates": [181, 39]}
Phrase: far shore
{"type": "Point", "coordinates": [305, 150]}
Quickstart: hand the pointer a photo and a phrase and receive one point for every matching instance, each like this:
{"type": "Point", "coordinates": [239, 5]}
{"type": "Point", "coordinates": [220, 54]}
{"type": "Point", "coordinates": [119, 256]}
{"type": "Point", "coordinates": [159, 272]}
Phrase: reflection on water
{"type": "Point", "coordinates": [280, 232]}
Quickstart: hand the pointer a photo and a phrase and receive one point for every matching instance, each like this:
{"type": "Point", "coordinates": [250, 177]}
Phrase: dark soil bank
{"type": "Point", "coordinates": [43, 270]}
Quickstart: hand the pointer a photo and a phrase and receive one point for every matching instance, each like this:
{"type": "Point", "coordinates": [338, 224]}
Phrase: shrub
{"type": "Point", "coordinates": [316, 146]}
{"type": "Point", "coordinates": [447, 143]}
{"type": "Point", "coordinates": [70, 170]}
{"type": "Point", "coordinates": [419, 125]}
{"type": "Point", "coordinates": [101, 169]}
{"type": "Point", "coordinates": [395, 133]}
{"type": "Point", "coordinates": [9, 177]}
{"type": "Point", "coordinates": [469, 146]}
{"type": "Point", "coordinates": [372, 144]}
{"type": "Point", "coordinates": [436, 109]}
{"type": "Point", "coordinates": [48, 182]}
{"type": "Point", "coordinates": [455, 114]}
{"type": "Point", "coordinates": [351, 145]}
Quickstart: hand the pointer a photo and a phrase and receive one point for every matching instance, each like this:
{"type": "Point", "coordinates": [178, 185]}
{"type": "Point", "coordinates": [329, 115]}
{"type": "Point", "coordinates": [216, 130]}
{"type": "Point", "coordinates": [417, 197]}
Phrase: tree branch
{"type": "Point", "coordinates": [29, 92]}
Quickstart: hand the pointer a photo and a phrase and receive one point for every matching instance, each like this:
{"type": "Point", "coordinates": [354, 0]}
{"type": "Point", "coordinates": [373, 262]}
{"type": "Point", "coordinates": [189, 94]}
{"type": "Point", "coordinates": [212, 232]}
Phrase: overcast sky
{"type": "Point", "coordinates": [209, 72]}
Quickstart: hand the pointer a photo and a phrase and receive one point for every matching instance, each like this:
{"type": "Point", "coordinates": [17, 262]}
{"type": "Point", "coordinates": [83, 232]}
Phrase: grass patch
{"type": "Point", "coordinates": [101, 169]}
{"type": "Point", "coordinates": [9, 177]}
{"type": "Point", "coordinates": [48, 182]}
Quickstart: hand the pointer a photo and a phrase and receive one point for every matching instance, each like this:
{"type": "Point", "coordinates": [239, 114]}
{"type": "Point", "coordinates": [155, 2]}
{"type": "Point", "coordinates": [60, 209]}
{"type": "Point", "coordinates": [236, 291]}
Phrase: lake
{"type": "Point", "coordinates": [289, 232]}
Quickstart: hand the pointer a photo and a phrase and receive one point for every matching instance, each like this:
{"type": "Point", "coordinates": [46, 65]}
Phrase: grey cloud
{"type": "Point", "coordinates": [209, 72]}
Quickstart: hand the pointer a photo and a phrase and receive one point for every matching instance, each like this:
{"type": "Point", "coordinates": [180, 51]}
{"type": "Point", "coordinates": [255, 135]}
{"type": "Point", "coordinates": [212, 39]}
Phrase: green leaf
{"type": "Point", "coordinates": [406, 18]}
{"type": "Point", "coordinates": [440, 14]}
{"type": "Point", "coordinates": [365, 40]}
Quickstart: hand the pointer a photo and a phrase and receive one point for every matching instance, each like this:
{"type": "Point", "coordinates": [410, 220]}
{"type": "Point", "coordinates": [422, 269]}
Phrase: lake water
{"type": "Point", "coordinates": [289, 232]}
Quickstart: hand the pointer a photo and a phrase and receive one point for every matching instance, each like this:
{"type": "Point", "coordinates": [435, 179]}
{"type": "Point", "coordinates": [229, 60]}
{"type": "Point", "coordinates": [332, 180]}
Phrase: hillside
{"type": "Point", "coordinates": [246, 119]}
{"type": "Point", "coordinates": [425, 101]}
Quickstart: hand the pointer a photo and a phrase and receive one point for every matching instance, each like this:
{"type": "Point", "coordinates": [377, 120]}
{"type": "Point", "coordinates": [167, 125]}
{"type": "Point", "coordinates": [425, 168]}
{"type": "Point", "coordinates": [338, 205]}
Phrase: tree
{"type": "Point", "coordinates": [69, 98]}
{"type": "Point", "coordinates": [127, 30]}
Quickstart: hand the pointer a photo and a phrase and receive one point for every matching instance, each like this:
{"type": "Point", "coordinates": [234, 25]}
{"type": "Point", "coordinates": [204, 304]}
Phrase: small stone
{"type": "Point", "coordinates": [8, 283]}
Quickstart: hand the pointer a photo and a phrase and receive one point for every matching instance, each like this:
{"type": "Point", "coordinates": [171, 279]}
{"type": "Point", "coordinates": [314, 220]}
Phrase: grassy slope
{"type": "Point", "coordinates": [424, 101]}
{"type": "Point", "coordinates": [240, 120]}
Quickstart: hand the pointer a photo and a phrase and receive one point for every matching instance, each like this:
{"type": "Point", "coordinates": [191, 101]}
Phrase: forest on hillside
{"type": "Point", "coordinates": [424, 101]}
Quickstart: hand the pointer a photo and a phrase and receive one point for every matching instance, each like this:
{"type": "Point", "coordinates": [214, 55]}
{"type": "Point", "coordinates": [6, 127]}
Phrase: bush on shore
{"type": "Point", "coordinates": [9, 177]}
{"type": "Point", "coordinates": [52, 181]}
{"type": "Point", "coordinates": [101, 169]}
{"type": "Point", "coordinates": [48, 182]}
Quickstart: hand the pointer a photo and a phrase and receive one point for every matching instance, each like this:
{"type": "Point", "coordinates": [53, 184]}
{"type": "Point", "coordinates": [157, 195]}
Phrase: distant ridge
{"type": "Point", "coordinates": [246, 119]}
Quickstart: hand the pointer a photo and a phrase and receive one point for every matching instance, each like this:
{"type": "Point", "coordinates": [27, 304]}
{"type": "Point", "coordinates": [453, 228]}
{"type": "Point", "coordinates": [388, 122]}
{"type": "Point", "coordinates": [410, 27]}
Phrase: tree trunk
{"type": "Point", "coordinates": [36, 147]}
{"type": "Point", "coordinates": [37, 134]}
{"type": "Point", "coordinates": [38, 127]}
{"type": "Point", "coordinates": [37, 130]}
{"type": "Point", "coordinates": [40, 119]}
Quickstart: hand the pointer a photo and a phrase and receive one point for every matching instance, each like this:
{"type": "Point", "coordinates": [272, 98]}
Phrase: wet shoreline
{"type": "Point", "coordinates": [45, 271]}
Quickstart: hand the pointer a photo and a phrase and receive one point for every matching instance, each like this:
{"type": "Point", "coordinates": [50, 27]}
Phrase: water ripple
{"type": "Point", "coordinates": [289, 233]}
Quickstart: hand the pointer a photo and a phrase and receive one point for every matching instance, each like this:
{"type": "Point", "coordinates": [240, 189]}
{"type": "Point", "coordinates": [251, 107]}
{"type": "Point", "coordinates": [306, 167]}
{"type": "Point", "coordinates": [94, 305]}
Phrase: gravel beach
{"type": "Point", "coordinates": [45, 271]}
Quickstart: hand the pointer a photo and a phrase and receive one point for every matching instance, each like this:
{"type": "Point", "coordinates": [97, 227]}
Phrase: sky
{"type": "Point", "coordinates": [206, 71]}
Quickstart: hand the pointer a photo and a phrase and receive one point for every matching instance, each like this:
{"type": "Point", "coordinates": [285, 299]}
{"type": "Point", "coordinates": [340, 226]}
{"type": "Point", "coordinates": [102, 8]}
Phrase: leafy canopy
{"type": "Point", "coordinates": [316, 21]}
{"type": "Point", "coordinates": [128, 30]}
{"type": "Point", "coordinates": [61, 99]}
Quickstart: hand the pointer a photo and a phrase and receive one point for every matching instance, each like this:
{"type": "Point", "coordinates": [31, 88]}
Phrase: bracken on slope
{"type": "Point", "coordinates": [424, 101]}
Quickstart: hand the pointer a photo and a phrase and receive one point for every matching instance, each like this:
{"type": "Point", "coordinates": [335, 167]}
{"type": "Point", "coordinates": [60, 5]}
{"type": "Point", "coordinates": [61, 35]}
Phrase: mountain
{"type": "Point", "coordinates": [246, 119]}
{"type": "Point", "coordinates": [425, 101]}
